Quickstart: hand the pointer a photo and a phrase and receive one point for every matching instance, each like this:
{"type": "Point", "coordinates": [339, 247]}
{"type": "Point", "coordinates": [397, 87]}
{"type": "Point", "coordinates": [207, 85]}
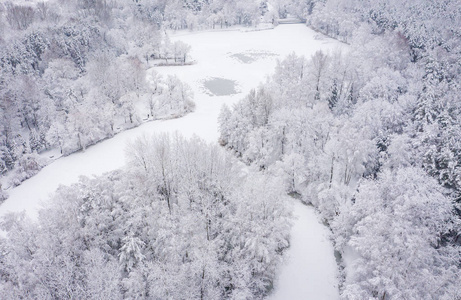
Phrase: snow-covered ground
{"type": "Point", "coordinates": [311, 266]}
{"type": "Point", "coordinates": [310, 271]}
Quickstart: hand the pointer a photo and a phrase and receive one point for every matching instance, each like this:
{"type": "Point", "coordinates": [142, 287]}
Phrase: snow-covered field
{"type": "Point", "coordinates": [218, 54]}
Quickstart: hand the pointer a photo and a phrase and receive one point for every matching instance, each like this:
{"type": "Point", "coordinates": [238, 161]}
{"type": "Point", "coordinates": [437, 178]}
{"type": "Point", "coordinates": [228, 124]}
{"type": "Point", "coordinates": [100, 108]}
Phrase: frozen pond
{"type": "Point", "coordinates": [217, 86]}
{"type": "Point", "coordinates": [249, 57]}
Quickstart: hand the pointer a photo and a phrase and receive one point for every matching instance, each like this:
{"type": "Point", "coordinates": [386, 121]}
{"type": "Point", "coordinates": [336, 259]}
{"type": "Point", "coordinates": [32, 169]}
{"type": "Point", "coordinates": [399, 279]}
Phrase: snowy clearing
{"type": "Point", "coordinates": [311, 264]}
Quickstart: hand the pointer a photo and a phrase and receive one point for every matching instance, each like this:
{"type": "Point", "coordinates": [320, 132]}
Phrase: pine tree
{"type": "Point", "coordinates": [333, 99]}
{"type": "Point", "coordinates": [223, 120]}
{"type": "Point", "coordinates": [34, 141]}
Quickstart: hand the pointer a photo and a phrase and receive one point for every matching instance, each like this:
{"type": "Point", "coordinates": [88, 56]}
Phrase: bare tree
{"type": "Point", "coordinates": [19, 16]}
{"type": "Point", "coordinates": [43, 10]}
{"type": "Point", "coordinates": [319, 64]}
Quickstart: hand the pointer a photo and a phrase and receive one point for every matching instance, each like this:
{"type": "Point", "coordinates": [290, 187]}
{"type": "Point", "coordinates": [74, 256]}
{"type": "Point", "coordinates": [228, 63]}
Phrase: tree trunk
{"type": "Point", "coordinates": [332, 169]}
{"type": "Point", "coordinates": [202, 292]}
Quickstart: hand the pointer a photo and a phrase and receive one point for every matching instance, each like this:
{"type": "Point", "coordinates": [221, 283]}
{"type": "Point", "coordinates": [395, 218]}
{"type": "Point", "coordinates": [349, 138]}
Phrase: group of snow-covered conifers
{"type": "Point", "coordinates": [369, 137]}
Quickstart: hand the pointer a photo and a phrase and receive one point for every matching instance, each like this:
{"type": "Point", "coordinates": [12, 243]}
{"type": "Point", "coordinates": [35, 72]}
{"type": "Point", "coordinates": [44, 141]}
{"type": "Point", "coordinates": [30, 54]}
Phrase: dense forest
{"type": "Point", "coordinates": [369, 136]}
{"type": "Point", "coordinates": [180, 222]}
{"type": "Point", "coordinates": [372, 139]}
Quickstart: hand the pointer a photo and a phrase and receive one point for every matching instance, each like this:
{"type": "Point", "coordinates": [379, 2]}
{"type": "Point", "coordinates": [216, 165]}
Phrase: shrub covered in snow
{"type": "Point", "coordinates": [27, 166]}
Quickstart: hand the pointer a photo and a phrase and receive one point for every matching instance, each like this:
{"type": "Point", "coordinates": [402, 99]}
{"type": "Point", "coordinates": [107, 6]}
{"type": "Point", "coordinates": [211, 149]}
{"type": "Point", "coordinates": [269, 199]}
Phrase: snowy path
{"type": "Point", "coordinates": [311, 266]}
{"type": "Point", "coordinates": [310, 271]}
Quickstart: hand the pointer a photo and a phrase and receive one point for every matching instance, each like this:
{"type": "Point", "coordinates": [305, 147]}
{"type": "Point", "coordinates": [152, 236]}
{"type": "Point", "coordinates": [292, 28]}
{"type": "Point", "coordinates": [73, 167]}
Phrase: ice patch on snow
{"type": "Point", "coordinates": [249, 57]}
{"type": "Point", "coordinates": [217, 86]}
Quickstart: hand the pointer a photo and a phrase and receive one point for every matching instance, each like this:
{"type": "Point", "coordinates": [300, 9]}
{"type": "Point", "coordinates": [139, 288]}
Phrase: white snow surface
{"type": "Point", "coordinates": [310, 272]}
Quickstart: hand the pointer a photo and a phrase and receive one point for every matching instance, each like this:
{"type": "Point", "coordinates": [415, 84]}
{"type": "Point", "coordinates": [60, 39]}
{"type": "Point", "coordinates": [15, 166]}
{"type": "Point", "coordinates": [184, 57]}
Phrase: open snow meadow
{"type": "Point", "coordinates": [227, 65]}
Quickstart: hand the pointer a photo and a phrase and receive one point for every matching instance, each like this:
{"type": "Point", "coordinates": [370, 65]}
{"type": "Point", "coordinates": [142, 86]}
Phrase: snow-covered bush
{"type": "Point", "coordinates": [175, 98]}
{"type": "Point", "coordinates": [3, 195]}
{"type": "Point", "coordinates": [27, 166]}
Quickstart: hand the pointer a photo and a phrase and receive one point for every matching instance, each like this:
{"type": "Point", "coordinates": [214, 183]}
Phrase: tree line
{"type": "Point", "coordinates": [371, 139]}
{"type": "Point", "coordinates": [73, 73]}
{"type": "Point", "coordinates": [180, 221]}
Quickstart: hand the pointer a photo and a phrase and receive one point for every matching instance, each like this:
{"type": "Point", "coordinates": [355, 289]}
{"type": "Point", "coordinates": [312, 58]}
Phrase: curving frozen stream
{"type": "Point", "coordinates": [310, 270]}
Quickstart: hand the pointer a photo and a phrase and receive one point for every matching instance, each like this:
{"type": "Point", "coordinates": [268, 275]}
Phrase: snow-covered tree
{"type": "Point", "coordinates": [399, 223]}
{"type": "Point", "coordinates": [178, 221]}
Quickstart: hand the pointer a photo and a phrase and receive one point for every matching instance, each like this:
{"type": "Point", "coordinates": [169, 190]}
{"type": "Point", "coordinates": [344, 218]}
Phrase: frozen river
{"type": "Point", "coordinates": [239, 61]}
